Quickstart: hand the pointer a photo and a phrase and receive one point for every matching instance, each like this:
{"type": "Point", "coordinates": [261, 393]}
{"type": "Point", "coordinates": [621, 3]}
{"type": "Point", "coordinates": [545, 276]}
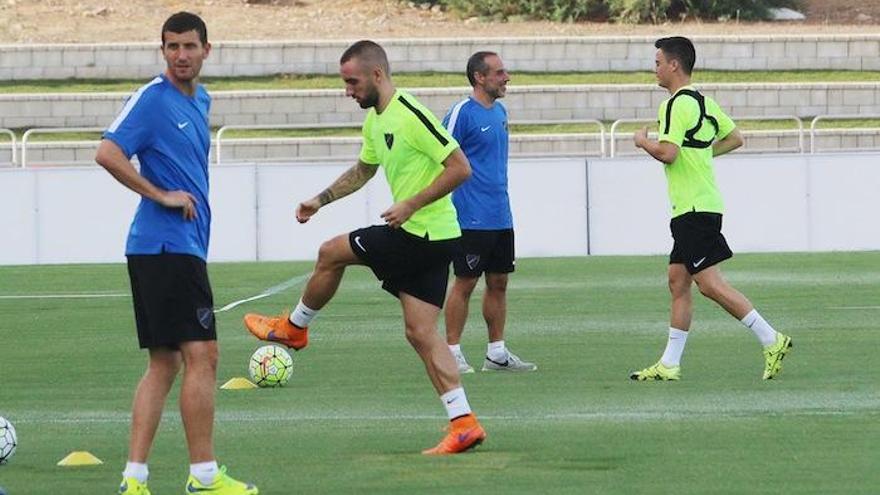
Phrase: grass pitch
{"type": "Point", "coordinates": [360, 408]}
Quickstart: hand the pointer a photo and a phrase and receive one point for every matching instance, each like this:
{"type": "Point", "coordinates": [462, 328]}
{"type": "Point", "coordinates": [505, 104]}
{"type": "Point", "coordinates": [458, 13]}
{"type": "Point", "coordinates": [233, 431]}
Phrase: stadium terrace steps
{"type": "Point", "coordinates": [537, 54]}
{"type": "Point", "coordinates": [606, 102]}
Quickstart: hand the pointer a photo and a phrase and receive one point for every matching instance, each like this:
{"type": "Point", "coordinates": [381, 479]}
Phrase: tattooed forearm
{"type": "Point", "coordinates": [326, 196]}
{"type": "Point", "coordinates": [350, 181]}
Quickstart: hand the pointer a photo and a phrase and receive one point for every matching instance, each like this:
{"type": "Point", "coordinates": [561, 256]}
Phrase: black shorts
{"type": "Point", "coordinates": [699, 243]}
{"type": "Point", "coordinates": [489, 251]}
{"type": "Point", "coordinates": [172, 297]}
{"type": "Point", "coordinates": [405, 262]}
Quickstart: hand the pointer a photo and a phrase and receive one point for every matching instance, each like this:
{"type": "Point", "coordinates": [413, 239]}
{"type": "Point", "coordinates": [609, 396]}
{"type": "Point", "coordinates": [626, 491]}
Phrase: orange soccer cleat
{"type": "Point", "coordinates": [277, 329]}
{"type": "Point", "coordinates": [464, 433]}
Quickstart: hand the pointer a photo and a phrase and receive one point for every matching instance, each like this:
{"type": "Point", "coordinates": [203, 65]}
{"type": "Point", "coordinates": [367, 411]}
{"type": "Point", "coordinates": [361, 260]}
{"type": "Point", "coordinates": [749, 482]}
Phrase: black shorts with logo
{"type": "Point", "coordinates": [699, 243]}
{"type": "Point", "coordinates": [489, 251]}
{"type": "Point", "coordinates": [405, 262]}
{"type": "Point", "coordinates": [172, 297]}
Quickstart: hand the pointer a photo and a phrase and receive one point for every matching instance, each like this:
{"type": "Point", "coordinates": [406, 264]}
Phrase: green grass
{"type": "Point", "coordinates": [443, 79]}
{"type": "Point", "coordinates": [360, 408]}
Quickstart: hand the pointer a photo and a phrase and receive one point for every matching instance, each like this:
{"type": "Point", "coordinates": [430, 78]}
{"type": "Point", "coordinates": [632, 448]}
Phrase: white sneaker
{"type": "Point", "coordinates": [512, 363]}
{"type": "Point", "coordinates": [463, 366]}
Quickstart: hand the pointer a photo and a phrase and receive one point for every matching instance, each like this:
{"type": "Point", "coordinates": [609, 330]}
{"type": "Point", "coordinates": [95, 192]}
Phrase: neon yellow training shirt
{"type": "Point", "coordinates": [691, 178]}
{"type": "Point", "coordinates": [407, 140]}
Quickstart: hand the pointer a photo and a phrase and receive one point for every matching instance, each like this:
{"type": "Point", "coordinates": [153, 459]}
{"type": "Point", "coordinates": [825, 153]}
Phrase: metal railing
{"type": "Point", "coordinates": [814, 131]}
{"type": "Point", "coordinates": [607, 140]}
{"type": "Point", "coordinates": [612, 135]}
{"type": "Point", "coordinates": [218, 139]}
{"type": "Point", "coordinates": [12, 145]}
{"type": "Point", "coordinates": [50, 130]}
{"type": "Point", "coordinates": [797, 120]}
{"type": "Point", "coordinates": [218, 147]}
{"type": "Point", "coordinates": [595, 122]}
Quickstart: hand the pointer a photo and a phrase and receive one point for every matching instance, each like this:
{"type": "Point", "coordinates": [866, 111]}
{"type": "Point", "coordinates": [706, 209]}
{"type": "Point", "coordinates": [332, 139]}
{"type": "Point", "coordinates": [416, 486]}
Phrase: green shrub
{"type": "Point", "coordinates": [736, 9]}
{"type": "Point", "coordinates": [635, 11]}
{"type": "Point", "coordinates": [552, 10]}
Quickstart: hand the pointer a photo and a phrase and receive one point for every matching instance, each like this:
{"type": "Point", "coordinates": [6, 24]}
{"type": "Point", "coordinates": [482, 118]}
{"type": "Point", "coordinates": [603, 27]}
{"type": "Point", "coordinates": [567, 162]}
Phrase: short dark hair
{"type": "Point", "coordinates": [182, 22]}
{"type": "Point", "coordinates": [369, 52]}
{"type": "Point", "coordinates": [477, 63]}
{"type": "Point", "coordinates": [679, 48]}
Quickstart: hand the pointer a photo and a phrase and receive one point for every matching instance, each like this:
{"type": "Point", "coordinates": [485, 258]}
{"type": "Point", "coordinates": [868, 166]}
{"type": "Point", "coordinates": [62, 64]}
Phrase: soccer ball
{"type": "Point", "coordinates": [8, 440]}
{"type": "Point", "coordinates": [270, 366]}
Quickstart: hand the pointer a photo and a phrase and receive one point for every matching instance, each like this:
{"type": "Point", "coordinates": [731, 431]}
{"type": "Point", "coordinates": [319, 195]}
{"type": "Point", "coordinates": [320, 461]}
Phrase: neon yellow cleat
{"type": "Point", "coordinates": [773, 355]}
{"type": "Point", "coordinates": [223, 485]}
{"type": "Point", "coordinates": [657, 372]}
{"type": "Point", "coordinates": [131, 486]}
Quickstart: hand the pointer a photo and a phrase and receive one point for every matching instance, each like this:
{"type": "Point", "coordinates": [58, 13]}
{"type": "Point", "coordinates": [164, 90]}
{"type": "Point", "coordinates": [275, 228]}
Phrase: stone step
{"type": "Point", "coordinates": [535, 54]}
{"type": "Point", "coordinates": [606, 102]}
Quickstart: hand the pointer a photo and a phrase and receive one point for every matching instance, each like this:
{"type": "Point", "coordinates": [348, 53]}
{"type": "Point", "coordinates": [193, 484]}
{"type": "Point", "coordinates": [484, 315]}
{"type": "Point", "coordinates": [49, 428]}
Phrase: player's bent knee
{"type": "Point", "coordinates": [418, 336]}
{"type": "Point", "coordinates": [335, 252]}
{"type": "Point", "coordinates": [711, 290]}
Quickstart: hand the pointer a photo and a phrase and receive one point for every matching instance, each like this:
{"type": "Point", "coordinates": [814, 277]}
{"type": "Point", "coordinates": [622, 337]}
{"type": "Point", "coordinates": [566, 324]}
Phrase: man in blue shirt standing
{"type": "Point", "coordinates": [165, 123]}
{"type": "Point", "coordinates": [479, 123]}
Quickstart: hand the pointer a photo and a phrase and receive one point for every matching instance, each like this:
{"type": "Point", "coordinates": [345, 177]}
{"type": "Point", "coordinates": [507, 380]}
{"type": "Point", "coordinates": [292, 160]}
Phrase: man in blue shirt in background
{"type": "Point", "coordinates": [165, 123]}
{"type": "Point", "coordinates": [479, 124]}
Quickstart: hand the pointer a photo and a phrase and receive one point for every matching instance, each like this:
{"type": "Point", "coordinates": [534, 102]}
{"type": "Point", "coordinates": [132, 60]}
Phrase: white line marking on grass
{"type": "Point", "coordinates": [845, 308]}
{"type": "Point", "coordinates": [63, 296]}
{"type": "Point", "coordinates": [271, 291]}
{"type": "Point", "coordinates": [606, 416]}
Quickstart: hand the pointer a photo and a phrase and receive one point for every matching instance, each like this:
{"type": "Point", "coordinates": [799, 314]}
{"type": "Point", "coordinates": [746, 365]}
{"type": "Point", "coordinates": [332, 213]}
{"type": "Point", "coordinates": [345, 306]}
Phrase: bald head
{"type": "Point", "coordinates": [369, 56]}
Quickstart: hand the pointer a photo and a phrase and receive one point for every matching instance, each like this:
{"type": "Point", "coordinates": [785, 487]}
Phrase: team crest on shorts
{"type": "Point", "coordinates": [206, 317]}
{"type": "Point", "coordinates": [472, 260]}
{"type": "Point", "coordinates": [389, 140]}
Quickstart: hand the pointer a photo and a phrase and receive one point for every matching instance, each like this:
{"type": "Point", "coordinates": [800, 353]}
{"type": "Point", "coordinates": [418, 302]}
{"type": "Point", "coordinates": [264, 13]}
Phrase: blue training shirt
{"type": "Point", "coordinates": [169, 133]}
{"type": "Point", "coordinates": [482, 201]}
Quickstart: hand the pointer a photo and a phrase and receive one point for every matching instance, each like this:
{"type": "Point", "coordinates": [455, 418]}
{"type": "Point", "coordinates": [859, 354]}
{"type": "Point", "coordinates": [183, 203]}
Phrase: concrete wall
{"type": "Point", "coordinates": [752, 52]}
{"type": "Point", "coordinates": [604, 206]}
{"type": "Point", "coordinates": [607, 102]}
{"type": "Point", "coordinates": [772, 202]}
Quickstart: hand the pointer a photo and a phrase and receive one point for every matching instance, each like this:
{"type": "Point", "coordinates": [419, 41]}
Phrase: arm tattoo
{"type": "Point", "coordinates": [326, 196]}
{"type": "Point", "coordinates": [350, 181]}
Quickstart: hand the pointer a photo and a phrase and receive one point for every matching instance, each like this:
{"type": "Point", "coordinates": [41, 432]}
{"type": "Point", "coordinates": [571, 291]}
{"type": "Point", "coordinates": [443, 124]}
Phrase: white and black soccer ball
{"type": "Point", "coordinates": [8, 440]}
{"type": "Point", "coordinates": [270, 366]}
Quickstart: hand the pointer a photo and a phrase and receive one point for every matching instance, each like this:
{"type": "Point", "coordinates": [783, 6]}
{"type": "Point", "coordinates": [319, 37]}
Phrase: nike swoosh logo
{"type": "Point", "coordinates": [505, 363]}
{"type": "Point", "coordinates": [699, 262]}
{"type": "Point", "coordinates": [271, 336]}
{"type": "Point", "coordinates": [484, 129]}
{"type": "Point", "coordinates": [181, 125]}
{"type": "Point", "coordinates": [450, 401]}
{"type": "Point", "coordinates": [192, 489]}
{"type": "Point", "coordinates": [463, 437]}
{"type": "Point", "coordinates": [357, 240]}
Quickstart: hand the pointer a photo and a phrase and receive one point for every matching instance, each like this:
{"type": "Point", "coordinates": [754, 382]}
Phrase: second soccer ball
{"type": "Point", "coordinates": [270, 366]}
{"type": "Point", "coordinates": [8, 440]}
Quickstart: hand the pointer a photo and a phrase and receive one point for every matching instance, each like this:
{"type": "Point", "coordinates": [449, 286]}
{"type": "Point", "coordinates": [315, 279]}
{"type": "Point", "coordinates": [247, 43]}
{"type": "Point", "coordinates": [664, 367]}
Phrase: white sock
{"type": "Point", "coordinates": [496, 351]}
{"type": "Point", "coordinates": [205, 472]}
{"type": "Point", "coordinates": [674, 347]}
{"type": "Point", "coordinates": [137, 471]}
{"type": "Point", "coordinates": [765, 333]}
{"type": "Point", "coordinates": [302, 315]}
{"type": "Point", "coordinates": [455, 349]}
{"type": "Point", "coordinates": [456, 403]}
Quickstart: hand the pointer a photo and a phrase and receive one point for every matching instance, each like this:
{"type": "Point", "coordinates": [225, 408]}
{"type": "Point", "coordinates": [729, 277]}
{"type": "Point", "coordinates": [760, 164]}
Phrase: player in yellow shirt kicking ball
{"type": "Point", "coordinates": [412, 251]}
{"type": "Point", "coordinates": [693, 130]}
